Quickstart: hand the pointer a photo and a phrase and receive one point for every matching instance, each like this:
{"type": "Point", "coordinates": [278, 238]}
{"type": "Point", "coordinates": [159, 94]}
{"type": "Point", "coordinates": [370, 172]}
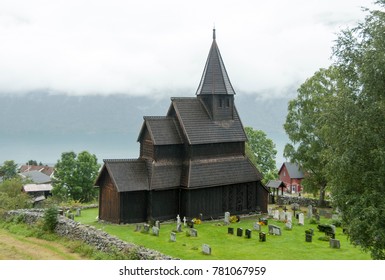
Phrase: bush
{"type": "Point", "coordinates": [50, 219]}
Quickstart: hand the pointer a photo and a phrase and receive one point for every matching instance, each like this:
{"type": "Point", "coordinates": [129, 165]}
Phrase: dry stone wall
{"type": "Point", "coordinates": [90, 235]}
{"type": "Point", "coordinates": [302, 201]}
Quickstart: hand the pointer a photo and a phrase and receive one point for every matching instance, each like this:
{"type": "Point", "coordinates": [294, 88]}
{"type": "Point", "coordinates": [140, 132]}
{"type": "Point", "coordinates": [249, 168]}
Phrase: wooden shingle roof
{"type": "Point", "coordinates": [165, 175]}
{"type": "Point", "coordinates": [128, 174]}
{"type": "Point", "coordinates": [222, 171]}
{"type": "Point", "coordinates": [199, 128]}
{"type": "Point", "coordinates": [163, 130]}
{"type": "Point", "coordinates": [215, 79]}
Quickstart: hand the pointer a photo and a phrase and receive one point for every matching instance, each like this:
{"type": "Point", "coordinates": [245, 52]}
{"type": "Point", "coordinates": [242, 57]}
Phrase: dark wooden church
{"type": "Point", "coordinates": [192, 161]}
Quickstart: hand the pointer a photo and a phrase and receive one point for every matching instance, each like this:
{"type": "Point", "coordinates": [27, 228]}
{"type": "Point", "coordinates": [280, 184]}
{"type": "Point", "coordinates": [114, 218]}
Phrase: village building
{"type": "Point", "coordinates": [192, 161]}
{"type": "Point", "coordinates": [291, 175]}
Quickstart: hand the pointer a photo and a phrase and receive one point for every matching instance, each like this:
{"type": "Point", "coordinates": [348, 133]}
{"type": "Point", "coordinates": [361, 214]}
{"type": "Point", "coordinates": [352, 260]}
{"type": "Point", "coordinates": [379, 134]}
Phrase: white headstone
{"type": "Point", "coordinates": [270, 211]}
{"type": "Point", "coordinates": [227, 218]}
{"type": "Point", "coordinates": [276, 214]}
{"type": "Point", "coordinates": [206, 249]}
{"type": "Point", "coordinates": [257, 226]}
{"type": "Point", "coordinates": [178, 219]}
{"type": "Point", "coordinates": [288, 225]}
{"type": "Point", "coordinates": [184, 221]}
{"type": "Point", "coordinates": [289, 216]}
{"type": "Point", "coordinates": [282, 216]}
{"type": "Point", "coordinates": [301, 219]}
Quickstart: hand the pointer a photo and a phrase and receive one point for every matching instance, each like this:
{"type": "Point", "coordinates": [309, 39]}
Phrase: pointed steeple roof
{"type": "Point", "coordinates": [214, 78]}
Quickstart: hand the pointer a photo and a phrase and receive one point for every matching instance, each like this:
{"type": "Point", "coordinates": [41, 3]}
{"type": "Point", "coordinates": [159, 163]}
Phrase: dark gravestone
{"type": "Point", "coordinates": [239, 231]}
{"type": "Point", "coordinates": [309, 237]}
{"type": "Point", "coordinates": [230, 230]}
{"type": "Point", "coordinates": [262, 237]}
{"type": "Point", "coordinates": [248, 233]}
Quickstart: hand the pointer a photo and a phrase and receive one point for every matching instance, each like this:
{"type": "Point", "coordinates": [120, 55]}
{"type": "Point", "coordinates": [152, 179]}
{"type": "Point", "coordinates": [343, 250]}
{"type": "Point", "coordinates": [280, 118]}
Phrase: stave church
{"type": "Point", "coordinates": [191, 163]}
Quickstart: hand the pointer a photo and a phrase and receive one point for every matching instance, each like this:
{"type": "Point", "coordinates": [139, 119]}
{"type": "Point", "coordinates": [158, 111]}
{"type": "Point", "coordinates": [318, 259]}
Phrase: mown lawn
{"type": "Point", "coordinates": [290, 245]}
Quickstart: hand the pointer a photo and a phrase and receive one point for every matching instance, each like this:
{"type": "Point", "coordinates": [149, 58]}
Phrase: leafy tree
{"type": "Point", "coordinates": [337, 129]}
{"type": "Point", "coordinates": [261, 151]}
{"type": "Point", "coordinates": [75, 176]}
{"type": "Point", "coordinates": [11, 196]}
{"type": "Point", "coordinates": [305, 124]}
{"type": "Point", "coordinates": [355, 131]}
{"type": "Point", "coordinates": [8, 170]}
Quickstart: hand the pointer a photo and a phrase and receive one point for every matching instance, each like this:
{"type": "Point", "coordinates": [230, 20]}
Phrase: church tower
{"type": "Point", "coordinates": [215, 89]}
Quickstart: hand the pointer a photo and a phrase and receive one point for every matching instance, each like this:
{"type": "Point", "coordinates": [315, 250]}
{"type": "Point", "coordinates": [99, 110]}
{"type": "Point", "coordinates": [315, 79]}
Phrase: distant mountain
{"type": "Point", "coordinates": [40, 126]}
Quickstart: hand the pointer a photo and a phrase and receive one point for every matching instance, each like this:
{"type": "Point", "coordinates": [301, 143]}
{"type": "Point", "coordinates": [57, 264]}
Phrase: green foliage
{"type": "Point", "coordinates": [11, 196]}
{"type": "Point", "coordinates": [337, 129]}
{"type": "Point", "coordinates": [75, 176]}
{"type": "Point", "coordinates": [50, 219]}
{"type": "Point", "coordinates": [262, 152]}
{"type": "Point", "coordinates": [8, 170]}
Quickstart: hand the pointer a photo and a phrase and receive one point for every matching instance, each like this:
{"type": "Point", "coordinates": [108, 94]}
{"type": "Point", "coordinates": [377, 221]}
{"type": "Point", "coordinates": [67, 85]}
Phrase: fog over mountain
{"type": "Point", "coordinates": [42, 125]}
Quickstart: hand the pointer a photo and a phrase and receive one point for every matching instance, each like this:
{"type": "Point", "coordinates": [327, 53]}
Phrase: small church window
{"type": "Point", "coordinates": [227, 102]}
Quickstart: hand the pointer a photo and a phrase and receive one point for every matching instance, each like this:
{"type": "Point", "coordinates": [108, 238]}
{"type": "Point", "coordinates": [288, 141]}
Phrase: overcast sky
{"type": "Point", "coordinates": [160, 47]}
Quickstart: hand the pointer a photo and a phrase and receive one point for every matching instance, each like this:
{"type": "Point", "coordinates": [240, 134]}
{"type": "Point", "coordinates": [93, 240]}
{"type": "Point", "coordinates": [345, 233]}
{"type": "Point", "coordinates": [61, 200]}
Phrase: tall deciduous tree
{"type": "Point", "coordinates": [261, 151]}
{"type": "Point", "coordinates": [75, 176]}
{"type": "Point", "coordinates": [304, 125]}
{"type": "Point", "coordinates": [8, 170]}
{"type": "Point", "coordinates": [355, 131]}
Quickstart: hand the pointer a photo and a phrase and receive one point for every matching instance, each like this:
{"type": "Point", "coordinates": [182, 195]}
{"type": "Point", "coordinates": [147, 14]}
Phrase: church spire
{"type": "Point", "coordinates": [214, 78]}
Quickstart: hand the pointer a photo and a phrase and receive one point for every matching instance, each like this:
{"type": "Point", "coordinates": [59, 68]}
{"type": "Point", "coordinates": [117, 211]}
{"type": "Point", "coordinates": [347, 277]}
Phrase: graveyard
{"type": "Point", "coordinates": [269, 236]}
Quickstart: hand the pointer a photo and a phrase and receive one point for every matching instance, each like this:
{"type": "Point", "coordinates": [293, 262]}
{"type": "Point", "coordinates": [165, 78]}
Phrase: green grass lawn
{"type": "Point", "coordinates": [290, 245]}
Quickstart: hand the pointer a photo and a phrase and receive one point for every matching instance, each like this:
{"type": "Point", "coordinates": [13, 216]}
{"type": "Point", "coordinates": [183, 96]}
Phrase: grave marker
{"type": "Point", "coordinates": [230, 230]}
{"type": "Point", "coordinates": [262, 237]}
{"type": "Point", "coordinates": [301, 219]}
{"type": "Point", "coordinates": [193, 232]}
{"type": "Point", "coordinates": [257, 226]}
{"type": "Point", "coordinates": [206, 249]}
{"type": "Point", "coordinates": [274, 230]}
{"type": "Point", "coordinates": [335, 243]}
{"type": "Point", "coordinates": [155, 231]}
{"type": "Point", "coordinates": [310, 211]}
{"type": "Point", "coordinates": [173, 237]}
{"type": "Point", "coordinates": [227, 218]}
{"type": "Point", "coordinates": [239, 231]}
{"type": "Point", "coordinates": [248, 233]}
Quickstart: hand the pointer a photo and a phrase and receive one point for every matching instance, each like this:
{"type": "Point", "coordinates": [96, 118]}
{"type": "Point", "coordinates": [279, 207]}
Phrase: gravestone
{"type": "Point", "coordinates": [262, 237]}
{"type": "Point", "coordinates": [274, 230]}
{"type": "Point", "coordinates": [239, 231]}
{"type": "Point", "coordinates": [301, 219]}
{"type": "Point", "coordinates": [227, 218]}
{"type": "Point", "coordinates": [157, 224]}
{"type": "Point", "coordinates": [248, 233]}
{"type": "Point", "coordinates": [78, 212]}
{"type": "Point", "coordinates": [308, 237]}
{"type": "Point", "coordinates": [282, 216]}
{"type": "Point", "coordinates": [310, 211]}
{"type": "Point", "coordinates": [155, 231]}
{"type": "Point", "coordinates": [193, 232]}
{"type": "Point", "coordinates": [263, 220]}
{"type": "Point", "coordinates": [146, 228]}
{"type": "Point", "coordinates": [270, 211]}
{"type": "Point", "coordinates": [179, 228]}
{"type": "Point", "coordinates": [138, 228]}
{"type": "Point", "coordinates": [289, 216]}
{"type": "Point", "coordinates": [276, 214]}
{"type": "Point", "coordinates": [184, 221]}
{"type": "Point", "coordinates": [206, 249]}
{"type": "Point", "coordinates": [257, 226]}
{"type": "Point", "coordinates": [334, 243]}
{"type": "Point", "coordinates": [289, 225]}
{"type": "Point", "coordinates": [173, 237]}
{"type": "Point", "coordinates": [230, 230]}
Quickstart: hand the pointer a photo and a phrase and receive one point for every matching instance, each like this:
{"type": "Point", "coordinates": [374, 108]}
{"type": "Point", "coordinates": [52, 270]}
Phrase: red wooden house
{"type": "Point", "coordinates": [192, 161]}
{"type": "Point", "coordinates": [291, 175]}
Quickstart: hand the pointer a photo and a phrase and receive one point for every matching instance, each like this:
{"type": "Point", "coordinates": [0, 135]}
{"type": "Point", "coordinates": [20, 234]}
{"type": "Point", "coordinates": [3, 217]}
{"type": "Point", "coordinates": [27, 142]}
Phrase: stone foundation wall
{"type": "Point", "coordinates": [90, 235]}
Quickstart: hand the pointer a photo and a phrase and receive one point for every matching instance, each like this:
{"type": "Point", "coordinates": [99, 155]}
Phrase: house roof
{"type": "Point", "coordinates": [222, 171]}
{"type": "Point", "coordinates": [199, 128]}
{"type": "Point", "coordinates": [37, 187]}
{"type": "Point", "coordinates": [215, 79]}
{"type": "Point", "coordinates": [293, 169]}
{"type": "Point", "coordinates": [163, 130]}
{"type": "Point", "coordinates": [275, 184]}
{"type": "Point", "coordinates": [36, 177]}
{"type": "Point", "coordinates": [127, 174]}
{"type": "Point", "coordinates": [47, 170]}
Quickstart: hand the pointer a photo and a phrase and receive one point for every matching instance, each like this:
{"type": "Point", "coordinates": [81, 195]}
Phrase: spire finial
{"type": "Point", "coordinates": [214, 33]}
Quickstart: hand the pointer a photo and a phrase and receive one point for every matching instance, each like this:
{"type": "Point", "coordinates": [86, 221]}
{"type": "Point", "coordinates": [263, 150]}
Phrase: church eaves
{"type": "Point", "coordinates": [214, 78]}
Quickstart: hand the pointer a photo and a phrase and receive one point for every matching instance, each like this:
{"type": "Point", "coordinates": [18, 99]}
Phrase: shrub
{"type": "Point", "coordinates": [50, 219]}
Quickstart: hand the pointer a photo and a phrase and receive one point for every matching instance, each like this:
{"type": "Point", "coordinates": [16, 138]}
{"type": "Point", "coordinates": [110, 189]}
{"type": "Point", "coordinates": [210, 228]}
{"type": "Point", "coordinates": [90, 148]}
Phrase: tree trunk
{"type": "Point", "coordinates": [322, 192]}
